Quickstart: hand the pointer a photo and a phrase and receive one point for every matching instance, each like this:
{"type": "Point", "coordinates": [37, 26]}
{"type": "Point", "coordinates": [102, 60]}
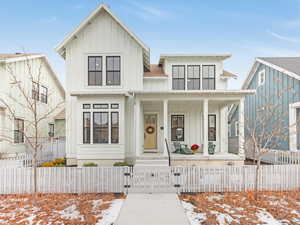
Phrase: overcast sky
{"type": "Point", "coordinates": [246, 29]}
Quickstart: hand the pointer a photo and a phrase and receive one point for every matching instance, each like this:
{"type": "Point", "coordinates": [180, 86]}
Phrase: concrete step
{"type": "Point", "coordinates": [152, 162]}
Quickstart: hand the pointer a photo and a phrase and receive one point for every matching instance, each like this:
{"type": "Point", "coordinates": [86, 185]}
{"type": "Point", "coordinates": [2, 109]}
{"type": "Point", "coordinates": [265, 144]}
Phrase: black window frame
{"type": "Point", "coordinates": [86, 136]}
{"type": "Point", "coordinates": [35, 92]}
{"type": "Point", "coordinates": [51, 130]}
{"type": "Point", "coordinates": [113, 127]}
{"type": "Point", "coordinates": [100, 129]}
{"type": "Point", "coordinates": [86, 106]}
{"type": "Point", "coordinates": [44, 96]}
{"type": "Point", "coordinates": [208, 78]}
{"type": "Point", "coordinates": [183, 133]}
{"type": "Point", "coordinates": [177, 79]}
{"type": "Point", "coordinates": [101, 106]}
{"type": "Point", "coordinates": [95, 71]}
{"type": "Point", "coordinates": [113, 72]}
{"type": "Point", "coordinates": [193, 79]}
{"type": "Point", "coordinates": [18, 133]}
{"type": "Point", "coordinates": [214, 128]}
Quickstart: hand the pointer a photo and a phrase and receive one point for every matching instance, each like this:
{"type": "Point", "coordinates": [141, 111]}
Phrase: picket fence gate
{"type": "Point", "coordinates": [188, 179]}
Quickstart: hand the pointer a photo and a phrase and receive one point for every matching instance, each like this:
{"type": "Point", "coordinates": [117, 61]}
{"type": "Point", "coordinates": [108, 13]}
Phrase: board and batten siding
{"type": "Point", "coordinates": [275, 82]}
{"type": "Point", "coordinates": [104, 36]}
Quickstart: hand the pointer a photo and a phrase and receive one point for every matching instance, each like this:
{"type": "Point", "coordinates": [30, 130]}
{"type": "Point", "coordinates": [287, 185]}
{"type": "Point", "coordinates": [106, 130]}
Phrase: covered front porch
{"type": "Point", "coordinates": [186, 119]}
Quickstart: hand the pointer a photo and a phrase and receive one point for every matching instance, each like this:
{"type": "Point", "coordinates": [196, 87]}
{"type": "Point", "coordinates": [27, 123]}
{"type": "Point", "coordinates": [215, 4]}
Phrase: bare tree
{"type": "Point", "coordinates": [268, 127]}
{"type": "Point", "coordinates": [25, 98]}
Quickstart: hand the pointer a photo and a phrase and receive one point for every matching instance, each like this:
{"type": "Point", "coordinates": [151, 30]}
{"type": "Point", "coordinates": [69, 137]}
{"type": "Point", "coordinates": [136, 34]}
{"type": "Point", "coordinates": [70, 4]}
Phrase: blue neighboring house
{"type": "Point", "coordinates": [269, 76]}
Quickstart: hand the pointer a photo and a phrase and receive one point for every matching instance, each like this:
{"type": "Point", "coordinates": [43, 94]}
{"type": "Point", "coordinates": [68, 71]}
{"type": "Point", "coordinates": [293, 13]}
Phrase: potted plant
{"type": "Point", "coordinates": [211, 148]}
{"type": "Point", "coordinates": [194, 148]}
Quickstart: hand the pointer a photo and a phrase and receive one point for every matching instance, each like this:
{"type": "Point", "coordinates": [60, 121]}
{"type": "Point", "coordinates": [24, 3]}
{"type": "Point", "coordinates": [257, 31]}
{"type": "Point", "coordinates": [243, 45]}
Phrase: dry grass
{"type": "Point", "coordinates": [53, 208]}
{"type": "Point", "coordinates": [244, 209]}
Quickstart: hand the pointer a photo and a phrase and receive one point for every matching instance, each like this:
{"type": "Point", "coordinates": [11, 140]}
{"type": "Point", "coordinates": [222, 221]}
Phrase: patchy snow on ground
{"type": "Point", "coordinates": [60, 209]}
{"type": "Point", "coordinates": [271, 208]}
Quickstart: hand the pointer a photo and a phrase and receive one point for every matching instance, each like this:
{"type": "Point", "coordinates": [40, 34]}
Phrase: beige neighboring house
{"type": "Point", "coordinates": [122, 108]}
{"type": "Point", "coordinates": [49, 93]}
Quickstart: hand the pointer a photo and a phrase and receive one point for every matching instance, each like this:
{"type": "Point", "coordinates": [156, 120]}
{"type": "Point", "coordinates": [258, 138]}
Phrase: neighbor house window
{"type": "Point", "coordinates": [44, 94]}
{"type": "Point", "coordinates": [18, 131]}
{"type": "Point", "coordinates": [209, 77]}
{"type": "Point", "coordinates": [100, 127]}
{"type": "Point", "coordinates": [114, 127]}
{"type": "Point", "coordinates": [113, 70]}
{"type": "Point", "coordinates": [35, 90]}
{"type": "Point", "coordinates": [51, 130]}
{"type": "Point", "coordinates": [177, 128]}
{"type": "Point", "coordinates": [193, 77]}
{"type": "Point", "coordinates": [178, 77]}
{"type": "Point", "coordinates": [95, 70]}
{"type": "Point", "coordinates": [86, 128]}
{"type": "Point", "coordinates": [261, 77]}
{"type": "Point", "coordinates": [212, 127]}
{"type": "Point", "coordinates": [237, 129]}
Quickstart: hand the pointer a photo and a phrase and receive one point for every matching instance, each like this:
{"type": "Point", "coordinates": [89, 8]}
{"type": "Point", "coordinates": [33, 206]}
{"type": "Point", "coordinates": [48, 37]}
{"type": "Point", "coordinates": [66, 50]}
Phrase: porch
{"type": "Point", "coordinates": [189, 120]}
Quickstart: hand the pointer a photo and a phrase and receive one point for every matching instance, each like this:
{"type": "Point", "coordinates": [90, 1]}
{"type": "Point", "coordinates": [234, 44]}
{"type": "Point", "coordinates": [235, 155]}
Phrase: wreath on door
{"type": "Point", "coordinates": [150, 130]}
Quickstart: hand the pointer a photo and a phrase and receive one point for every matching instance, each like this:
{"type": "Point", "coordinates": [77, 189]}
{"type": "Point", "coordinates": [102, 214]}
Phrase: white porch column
{"type": "Point", "coordinates": [137, 127]}
{"type": "Point", "coordinates": [223, 129]}
{"type": "Point", "coordinates": [166, 128]}
{"type": "Point", "coordinates": [205, 127]}
{"type": "Point", "coordinates": [241, 128]}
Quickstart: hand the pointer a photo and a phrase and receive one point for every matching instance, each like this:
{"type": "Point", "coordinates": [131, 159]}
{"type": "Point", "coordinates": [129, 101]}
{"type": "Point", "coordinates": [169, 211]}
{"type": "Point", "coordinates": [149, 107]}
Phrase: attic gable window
{"type": "Point", "coordinates": [113, 70]}
{"type": "Point", "coordinates": [261, 77]}
{"type": "Point", "coordinates": [95, 70]}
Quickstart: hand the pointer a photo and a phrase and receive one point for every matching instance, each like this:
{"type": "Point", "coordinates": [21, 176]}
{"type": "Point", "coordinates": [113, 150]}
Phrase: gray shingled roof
{"type": "Point", "coordinates": [291, 64]}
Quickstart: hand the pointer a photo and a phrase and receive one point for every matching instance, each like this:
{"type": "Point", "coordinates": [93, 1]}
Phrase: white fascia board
{"type": "Point", "coordinates": [98, 92]}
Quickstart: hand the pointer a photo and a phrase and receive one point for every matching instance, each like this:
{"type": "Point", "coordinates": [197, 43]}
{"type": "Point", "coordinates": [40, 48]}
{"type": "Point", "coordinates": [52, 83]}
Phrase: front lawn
{"type": "Point", "coordinates": [271, 208]}
{"type": "Point", "coordinates": [79, 209]}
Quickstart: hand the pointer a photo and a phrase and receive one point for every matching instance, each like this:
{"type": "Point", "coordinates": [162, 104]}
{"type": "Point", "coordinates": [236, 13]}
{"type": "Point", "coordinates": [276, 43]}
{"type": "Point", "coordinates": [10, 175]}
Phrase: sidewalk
{"type": "Point", "coordinates": [152, 209]}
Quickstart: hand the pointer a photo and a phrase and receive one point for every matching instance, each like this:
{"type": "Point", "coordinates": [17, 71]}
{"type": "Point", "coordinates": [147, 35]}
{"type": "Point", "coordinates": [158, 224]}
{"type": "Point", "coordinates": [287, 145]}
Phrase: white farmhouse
{"type": "Point", "coordinates": [122, 108]}
{"type": "Point", "coordinates": [44, 86]}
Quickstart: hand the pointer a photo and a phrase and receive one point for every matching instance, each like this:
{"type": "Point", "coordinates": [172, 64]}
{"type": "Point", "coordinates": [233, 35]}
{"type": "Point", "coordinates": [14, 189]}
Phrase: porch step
{"type": "Point", "coordinates": [152, 162]}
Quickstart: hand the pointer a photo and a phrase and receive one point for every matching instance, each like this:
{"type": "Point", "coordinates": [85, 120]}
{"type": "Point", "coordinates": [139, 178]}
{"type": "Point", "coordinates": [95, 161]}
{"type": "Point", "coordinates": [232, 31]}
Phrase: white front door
{"type": "Point", "coordinates": [150, 132]}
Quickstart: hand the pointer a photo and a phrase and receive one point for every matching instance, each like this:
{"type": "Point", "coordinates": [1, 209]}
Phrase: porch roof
{"type": "Point", "coordinates": [200, 93]}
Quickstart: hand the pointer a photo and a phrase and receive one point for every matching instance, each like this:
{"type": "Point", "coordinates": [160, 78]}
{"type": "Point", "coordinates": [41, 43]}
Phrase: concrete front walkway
{"type": "Point", "coordinates": [152, 209]}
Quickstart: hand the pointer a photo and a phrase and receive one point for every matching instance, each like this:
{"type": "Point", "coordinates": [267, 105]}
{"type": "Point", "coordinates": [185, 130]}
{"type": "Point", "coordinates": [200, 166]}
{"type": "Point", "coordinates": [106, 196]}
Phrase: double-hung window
{"type": "Point", "coordinates": [35, 91]}
{"type": "Point", "coordinates": [86, 127]}
{"type": "Point", "coordinates": [212, 128]}
{"type": "Point", "coordinates": [177, 128]}
{"type": "Point", "coordinates": [100, 127]}
{"type": "Point", "coordinates": [113, 70]}
{"type": "Point", "coordinates": [18, 131]}
{"type": "Point", "coordinates": [95, 70]}
{"type": "Point", "coordinates": [44, 94]}
{"type": "Point", "coordinates": [178, 77]}
{"type": "Point", "coordinates": [209, 77]}
{"type": "Point", "coordinates": [193, 77]}
{"type": "Point", "coordinates": [114, 127]}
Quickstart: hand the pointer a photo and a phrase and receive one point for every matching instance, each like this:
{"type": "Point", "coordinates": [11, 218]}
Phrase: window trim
{"type": "Point", "coordinates": [183, 135]}
{"type": "Point", "coordinates": [83, 128]}
{"type": "Point", "coordinates": [106, 70]}
{"type": "Point", "coordinates": [45, 95]}
{"type": "Point", "coordinates": [260, 73]}
{"type": "Point", "coordinates": [187, 77]}
{"type": "Point", "coordinates": [111, 127]}
{"type": "Point", "coordinates": [37, 92]}
{"type": "Point", "coordinates": [88, 70]}
{"type": "Point", "coordinates": [184, 78]}
{"type": "Point", "coordinates": [17, 129]}
{"type": "Point", "coordinates": [214, 127]}
{"type": "Point", "coordinates": [208, 78]}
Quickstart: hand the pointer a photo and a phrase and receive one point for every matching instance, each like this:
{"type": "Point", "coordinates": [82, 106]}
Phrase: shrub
{"type": "Point", "coordinates": [48, 164]}
{"type": "Point", "coordinates": [59, 161]}
{"type": "Point", "coordinates": [90, 165]}
{"type": "Point", "coordinates": [121, 164]}
{"type": "Point", "coordinates": [55, 163]}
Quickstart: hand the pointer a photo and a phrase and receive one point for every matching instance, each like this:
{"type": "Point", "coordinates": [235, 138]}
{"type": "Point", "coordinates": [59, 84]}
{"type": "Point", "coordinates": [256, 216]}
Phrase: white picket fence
{"type": "Point", "coordinates": [149, 179]}
{"type": "Point", "coordinates": [51, 149]}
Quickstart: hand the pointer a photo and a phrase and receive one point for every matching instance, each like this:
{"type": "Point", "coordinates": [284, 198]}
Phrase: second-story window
{"type": "Point", "coordinates": [113, 70]}
{"type": "Point", "coordinates": [208, 77]}
{"type": "Point", "coordinates": [35, 91]}
{"type": "Point", "coordinates": [193, 77]}
{"type": "Point", "coordinates": [95, 70]}
{"type": "Point", "coordinates": [44, 94]}
{"type": "Point", "coordinates": [178, 77]}
{"type": "Point", "coordinates": [18, 131]}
